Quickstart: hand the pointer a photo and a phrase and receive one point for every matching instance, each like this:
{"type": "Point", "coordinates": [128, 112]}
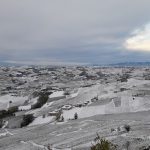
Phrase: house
{"type": "Point", "coordinates": [54, 113]}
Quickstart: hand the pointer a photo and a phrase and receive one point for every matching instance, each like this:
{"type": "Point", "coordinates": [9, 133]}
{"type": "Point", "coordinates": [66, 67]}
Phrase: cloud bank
{"type": "Point", "coordinates": [75, 31]}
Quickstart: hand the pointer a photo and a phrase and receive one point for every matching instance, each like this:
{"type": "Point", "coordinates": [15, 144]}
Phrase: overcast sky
{"type": "Point", "coordinates": [74, 31]}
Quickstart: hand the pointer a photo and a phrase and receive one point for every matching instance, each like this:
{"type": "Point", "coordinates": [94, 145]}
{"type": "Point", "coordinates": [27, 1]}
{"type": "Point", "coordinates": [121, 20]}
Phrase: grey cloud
{"type": "Point", "coordinates": [70, 30]}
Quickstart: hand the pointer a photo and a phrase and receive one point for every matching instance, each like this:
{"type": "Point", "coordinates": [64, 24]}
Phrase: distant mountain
{"type": "Point", "coordinates": [130, 64]}
{"type": "Point", "coordinates": [6, 64]}
{"type": "Point", "coordinates": [123, 64]}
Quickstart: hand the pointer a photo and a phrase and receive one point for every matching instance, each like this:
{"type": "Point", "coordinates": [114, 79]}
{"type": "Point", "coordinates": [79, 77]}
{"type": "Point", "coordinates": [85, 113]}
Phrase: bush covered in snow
{"type": "Point", "coordinates": [27, 119]}
{"type": "Point", "coordinates": [43, 98]}
{"type": "Point", "coordinates": [102, 144]}
{"type": "Point", "coordinates": [9, 112]}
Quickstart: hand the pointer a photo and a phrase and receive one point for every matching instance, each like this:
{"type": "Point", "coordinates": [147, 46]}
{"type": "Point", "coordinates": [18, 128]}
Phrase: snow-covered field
{"type": "Point", "coordinates": [102, 104]}
{"type": "Point", "coordinates": [127, 105]}
{"type": "Point", "coordinates": [7, 98]}
{"type": "Point", "coordinates": [16, 100]}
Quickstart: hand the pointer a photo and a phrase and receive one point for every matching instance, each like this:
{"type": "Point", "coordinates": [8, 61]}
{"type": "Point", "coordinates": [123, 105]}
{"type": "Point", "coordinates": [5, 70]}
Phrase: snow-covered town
{"type": "Point", "coordinates": [66, 107]}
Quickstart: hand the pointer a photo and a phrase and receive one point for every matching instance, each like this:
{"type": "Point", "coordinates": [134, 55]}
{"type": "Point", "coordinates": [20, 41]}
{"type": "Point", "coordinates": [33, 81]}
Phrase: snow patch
{"type": "Point", "coordinates": [5, 133]}
{"type": "Point", "coordinates": [47, 105]}
{"type": "Point", "coordinates": [74, 95]}
{"type": "Point", "coordinates": [27, 107]}
{"type": "Point", "coordinates": [57, 94]}
{"type": "Point", "coordinates": [41, 120]}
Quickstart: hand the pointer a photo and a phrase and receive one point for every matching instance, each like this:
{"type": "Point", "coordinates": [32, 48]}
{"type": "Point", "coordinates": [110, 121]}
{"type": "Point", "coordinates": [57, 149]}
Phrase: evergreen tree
{"type": "Point", "coordinates": [75, 116]}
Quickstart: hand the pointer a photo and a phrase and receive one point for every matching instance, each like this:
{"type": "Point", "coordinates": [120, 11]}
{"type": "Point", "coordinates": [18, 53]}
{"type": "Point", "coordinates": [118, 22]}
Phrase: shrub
{"type": "Point", "coordinates": [43, 98]}
{"type": "Point", "coordinates": [127, 145]}
{"type": "Point", "coordinates": [3, 113]}
{"type": "Point", "coordinates": [1, 123]}
{"type": "Point", "coordinates": [27, 119]}
{"type": "Point", "coordinates": [83, 73]}
{"type": "Point", "coordinates": [58, 115]}
{"type": "Point", "coordinates": [62, 118]}
{"type": "Point", "coordinates": [12, 110]}
{"type": "Point", "coordinates": [9, 112]}
{"type": "Point", "coordinates": [102, 144]}
{"type": "Point", "coordinates": [49, 147]}
{"type": "Point", "coordinates": [75, 116]}
{"type": "Point", "coordinates": [66, 93]}
{"type": "Point", "coordinates": [127, 128]}
{"type": "Point", "coordinates": [144, 148]}
{"type": "Point", "coordinates": [44, 116]}
{"type": "Point", "coordinates": [112, 129]}
{"type": "Point", "coordinates": [123, 79]}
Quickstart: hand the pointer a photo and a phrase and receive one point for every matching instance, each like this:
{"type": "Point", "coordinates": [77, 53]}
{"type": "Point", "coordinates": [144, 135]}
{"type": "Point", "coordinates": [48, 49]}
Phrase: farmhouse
{"type": "Point", "coordinates": [54, 113]}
